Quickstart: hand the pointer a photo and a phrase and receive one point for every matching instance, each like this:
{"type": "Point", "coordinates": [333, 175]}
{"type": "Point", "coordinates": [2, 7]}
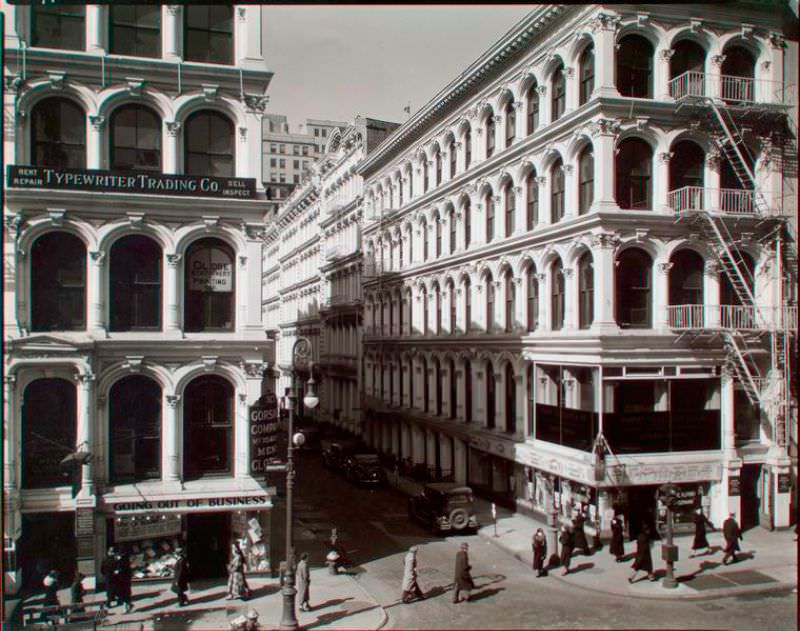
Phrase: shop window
{"type": "Point", "coordinates": [135, 284]}
{"type": "Point", "coordinates": [49, 425]}
{"type": "Point", "coordinates": [209, 145]}
{"type": "Point", "coordinates": [511, 122]}
{"type": "Point", "coordinates": [58, 283]}
{"type": "Point", "coordinates": [208, 33]}
{"type": "Point", "coordinates": [559, 421]}
{"type": "Point", "coordinates": [532, 207]}
{"type": "Point", "coordinates": [210, 287]}
{"type": "Point", "coordinates": [59, 134]}
{"type": "Point", "coordinates": [686, 278]}
{"type": "Point", "coordinates": [511, 298]}
{"type": "Point", "coordinates": [532, 281]}
{"type": "Point", "coordinates": [634, 166]}
{"type": "Point", "coordinates": [510, 208]}
{"type": "Point", "coordinates": [467, 305]}
{"type": "Point", "coordinates": [490, 296]}
{"type": "Point", "coordinates": [557, 297]}
{"type": "Point", "coordinates": [633, 289]}
{"type": "Point", "coordinates": [585, 291]}
{"type": "Point", "coordinates": [532, 113]}
{"type": "Point", "coordinates": [491, 399]}
{"type": "Point", "coordinates": [557, 191]}
{"type": "Point", "coordinates": [135, 139]}
{"type": "Point", "coordinates": [491, 132]}
{"type": "Point", "coordinates": [585, 180]}
{"type": "Point", "coordinates": [134, 408]}
{"type": "Point", "coordinates": [58, 26]}
{"type": "Point", "coordinates": [467, 391]}
{"type": "Point", "coordinates": [558, 99]}
{"type": "Point", "coordinates": [207, 427]}
{"type": "Point", "coordinates": [488, 200]}
{"type": "Point", "coordinates": [586, 75]}
{"type": "Point", "coordinates": [467, 222]}
{"type": "Point", "coordinates": [135, 29]}
{"type": "Point", "coordinates": [511, 399]}
{"type": "Point", "coordinates": [635, 67]}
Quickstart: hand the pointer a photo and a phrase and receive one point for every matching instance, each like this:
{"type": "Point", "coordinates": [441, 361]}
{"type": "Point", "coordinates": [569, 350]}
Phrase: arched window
{"type": "Point", "coordinates": [490, 299]}
{"type": "Point", "coordinates": [426, 180]}
{"type": "Point", "coordinates": [467, 148]}
{"type": "Point", "coordinates": [686, 278]}
{"type": "Point", "coordinates": [400, 190]}
{"type": "Point", "coordinates": [585, 180]}
{"type": "Point", "coordinates": [135, 284]}
{"type": "Point", "coordinates": [423, 229]}
{"type": "Point", "coordinates": [425, 309]}
{"type": "Point", "coordinates": [489, 202]}
{"type": "Point", "coordinates": [134, 423]}
{"type": "Point", "coordinates": [490, 395]}
{"type": "Point", "coordinates": [437, 160]}
{"type": "Point", "coordinates": [437, 227]}
{"type": "Point", "coordinates": [135, 29]}
{"type": "Point", "coordinates": [532, 113]}
{"type": "Point", "coordinates": [467, 222]}
{"type": "Point", "coordinates": [633, 289]}
{"type": "Point", "coordinates": [209, 144]}
{"type": "Point", "coordinates": [634, 166]}
{"type": "Point", "coordinates": [510, 208]}
{"type": "Point", "coordinates": [558, 85]}
{"type": "Point", "coordinates": [686, 173]}
{"type": "Point", "coordinates": [451, 295]}
{"type": "Point", "coordinates": [738, 72]}
{"type": "Point", "coordinates": [451, 371]}
{"type": "Point", "coordinates": [532, 195]}
{"type": "Point", "coordinates": [437, 297]}
{"type": "Point", "coordinates": [511, 122]}
{"type": "Point", "coordinates": [453, 159]}
{"type": "Point", "coordinates": [135, 139]}
{"type": "Point", "coordinates": [511, 399]}
{"type": "Point", "coordinates": [58, 283]}
{"type": "Point", "coordinates": [49, 432]}
{"type": "Point", "coordinates": [467, 305]}
{"type": "Point", "coordinates": [686, 69]}
{"type": "Point", "coordinates": [557, 297]}
{"type": "Point", "coordinates": [57, 26]}
{"type": "Point", "coordinates": [557, 191]}
{"type": "Point", "coordinates": [511, 299]}
{"type": "Point", "coordinates": [207, 427]}
{"type": "Point", "coordinates": [59, 134]}
{"type": "Point", "coordinates": [426, 386]}
{"type": "Point", "coordinates": [585, 291]}
{"type": "Point", "coordinates": [532, 282]}
{"type": "Point", "coordinates": [587, 74]}
{"type": "Point", "coordinates": [635, 67]}
{"type": "Point", "coordinates": [453, 233]}
{"type": "Point", "coordinates": [491, 129]}
{"type": "Point", "coordinates": [210, 286]}
{"type": "Point", "coordinates": [437, 376]}
{"type": "Point", "coordinates": [467, 391]}
{"type": "Point", "coordinates": [208, 32]}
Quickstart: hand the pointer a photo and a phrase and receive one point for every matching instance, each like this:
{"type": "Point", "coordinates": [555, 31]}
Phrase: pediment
{"type": "Point", "coordinates": [43, 345]}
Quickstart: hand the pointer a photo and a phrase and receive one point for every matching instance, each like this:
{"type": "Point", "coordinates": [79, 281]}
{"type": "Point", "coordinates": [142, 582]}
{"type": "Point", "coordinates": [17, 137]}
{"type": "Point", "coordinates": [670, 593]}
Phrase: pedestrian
{"type": "Point", "coordinates": [124, 577]}
{"type": "Point", "coordinates": [411, 589]}
{"type": "Point", "coordinates": [77, 590]}
{"type": "Point", "coordinates": [236, 582]}
{"type": "Point", "coordinates": [180, 581]}
{"type": "Point", "coordinates": [580, 541]}
{"type": "Point", "coordinates": [732, 534]}
{"type": "Point", "coordinates": [539, 546]}
{"type": "Point", "coordinates": [107, 570]}
{"type": "Point", "coordinates": [700, 540]}
{"type": "Point", "coordinates": [50, 583]}
{"type": "Point", "coordinates": [617, 547]}
{"type": "Point", "coordinates": [303, 579]}
{"type": "Point", "coordinates": [566, 541]}
{"type": "Point", "coordinates": [463, 577]}
{"type": "Point", "coordinates": [643, 560]}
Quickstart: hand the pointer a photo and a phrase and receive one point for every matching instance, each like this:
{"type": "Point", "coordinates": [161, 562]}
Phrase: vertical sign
{"type": "Point", "coordinates": [263, 433]}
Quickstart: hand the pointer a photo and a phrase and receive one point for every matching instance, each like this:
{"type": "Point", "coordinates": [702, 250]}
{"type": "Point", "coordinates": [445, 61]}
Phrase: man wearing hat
{"type": "Point", "coordinates": [732, 534]}
{"type": "Point", "coordinates": [112, 584]}
{"type": "Point", "coordinates": [463, 579]}
{"type": "Point", "coordinates": [180, 582]}
{"type": "Point", "coordinates": [411, 589]}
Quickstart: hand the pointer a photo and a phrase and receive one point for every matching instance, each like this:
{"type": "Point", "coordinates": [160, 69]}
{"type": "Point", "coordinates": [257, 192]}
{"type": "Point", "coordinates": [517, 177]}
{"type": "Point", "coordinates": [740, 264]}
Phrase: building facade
{"type": "Point", "coordinates": [134, 342]}
{"type": "Point", "coordinates": [578, 275]}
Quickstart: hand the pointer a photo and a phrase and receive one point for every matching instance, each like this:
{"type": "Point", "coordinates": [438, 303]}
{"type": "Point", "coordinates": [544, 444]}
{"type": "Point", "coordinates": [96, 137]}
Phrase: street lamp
{"type": "Point", "coordinates": [301, 354]}
{"type": "Point", "coordinates": [669, 552]}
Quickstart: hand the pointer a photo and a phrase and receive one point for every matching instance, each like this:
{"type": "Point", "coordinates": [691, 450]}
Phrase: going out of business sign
{"type": "Point", "coordinates": [263, 434]}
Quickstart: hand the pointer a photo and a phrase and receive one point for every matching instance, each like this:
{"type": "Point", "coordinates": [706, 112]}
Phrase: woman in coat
{"type": "Point", "coordinates": [303, 578]}
{"type": "Point", "coordinates": [617, 547]}
{"type": "Point", "coordinates": [580, 542]}
{"type": "Point", "coordinates": [539, 546]}
{"type": "Point", "coordinates": [411, 589]}
{"type": "Point", "coordinates": [236, 584]}
{"type": "Point", "coordinates": [566, 541]}
{"type": "Point", "coordinates": [643, 560]}
{"type": "Point", "coordinates": [700, 540]}
{"type": "Point", "coordinates": [462, 577]}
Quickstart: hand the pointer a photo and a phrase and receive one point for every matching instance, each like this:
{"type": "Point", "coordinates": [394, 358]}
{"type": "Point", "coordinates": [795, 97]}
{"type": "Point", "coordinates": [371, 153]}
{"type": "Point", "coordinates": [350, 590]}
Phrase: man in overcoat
{"type": "Point", "coordinates": [732, 534]}
{"type": "Point", "coordinates": [303, 579]}
{"type": "Point", "coordinates": [112, 582]}
{"type": "Point", "coordinates": [180, 582]}
{"type": "Point", "coordinates": [617, 547]}
{"type": "Point", "coordinates": [411, 589]}
{"type": "Point", "coordinates": [700, 540]}
{"type": "Point", "coordinates": [463, 578]}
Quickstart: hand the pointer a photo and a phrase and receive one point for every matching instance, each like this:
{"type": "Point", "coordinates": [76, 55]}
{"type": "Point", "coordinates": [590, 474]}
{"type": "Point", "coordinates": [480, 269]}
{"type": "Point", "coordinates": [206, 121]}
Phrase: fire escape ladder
{"type": "Point", "coordinates": [745, 370]}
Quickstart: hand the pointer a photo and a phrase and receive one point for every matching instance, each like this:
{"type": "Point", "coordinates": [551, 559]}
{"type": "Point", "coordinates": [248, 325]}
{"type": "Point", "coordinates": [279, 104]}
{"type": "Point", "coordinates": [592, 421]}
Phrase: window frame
{"type": "Point", "coordinates": [147, 50]}
{"type": "Point", "coordinates": [208, 30]}
{"type": "Point", "coordinates": [114, 148]}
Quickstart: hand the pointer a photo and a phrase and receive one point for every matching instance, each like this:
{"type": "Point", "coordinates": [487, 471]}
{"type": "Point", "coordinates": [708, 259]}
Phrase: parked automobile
{"type": "Point", "coordinates": [444, 507]}
{"type": "Point", "coordinates": [335, 452]}
{"type": "Point", "coordinates": [364, 470]}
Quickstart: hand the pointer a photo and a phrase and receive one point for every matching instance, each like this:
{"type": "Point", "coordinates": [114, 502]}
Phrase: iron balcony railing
{"type": "Point", "coordinates": [729, 88]}
{"type": "Point", "coordinates": [731, 317]}
{"type": "Point", "coordinates": [730, 201]}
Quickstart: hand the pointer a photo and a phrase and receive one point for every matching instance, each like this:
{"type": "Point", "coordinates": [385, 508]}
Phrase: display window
{"type": "Point", "coordinates": [150, 542]}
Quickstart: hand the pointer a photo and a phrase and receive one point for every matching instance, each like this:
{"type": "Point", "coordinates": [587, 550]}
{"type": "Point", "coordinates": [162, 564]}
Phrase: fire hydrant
{"type": "Point", "coordinates": [332, 561]}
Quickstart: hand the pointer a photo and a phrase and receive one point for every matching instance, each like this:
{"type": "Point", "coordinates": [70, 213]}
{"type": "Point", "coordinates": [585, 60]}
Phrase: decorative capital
{"type": "Point", "coordinates": [134, 362]}
{"type": "Point", "coordinates": [242, 13]}
{"type": "Point", "coordinates": [604, 126]}
{"type": "Point", "coordinates": [97, 121]}
{"type": "Point", "coordinates": [13, 222]}
{"type": "Point", "coordinates": [13, 83]}
{"type": "Point", "coordinates": [777, 40]}
{"type": "Point", "coordinates": [540, 179]}
{"type": "Point", "coordinates": [85, 379]}
{"type": "Point", "coordinates": [541, 89]}
{"type": "Point", "coordinates": [56, 79]}
{"type": "Point", "coordinates": [666, 53]}
{"type": "Point", "coordinates": [568, 271]}
{"type": "Point", "coordinates": [569, 72]}
{"type": "Point", "coordinates": [665, 267]}
{"type": "Point", "coordinates": [714, 159]}
{"type": "Point", "coordinates": [210, 91]}
{"type": "Point", "coordinates": [605, 240]}
{"type": "Point", "coordinates": [604, 21]}
{"type": "Point", "coordinates": [173, 259]}
{"type": "Point", "coordinates": [173, 9]}
{"type": "Point", "coordinates": [568, 169]}
{"type": "Point", "coordinates": [98, 256]}
{"type": "Point", "coordinates": [666, 156]}
{"type": "Point", "coordinates": [10, 381]}
{"type": "Point", "coordinates": [173, 127]}
{"type": "Point", "coordinates": [255, 103]}
{"type": "Point", "coordinates": [254, 369]}
{"type": "Point", "coordinates": [172, 400]}
{"type": "Point", "coordinates": [717, 60]}
{"type": "Point", "coordinates": [135, 85]}
{"type": "Point", "coordinates": [242, 261]}
{"type": "Point", "coordinates": [56, 215]}
{"type": "Point", "coordinates": [243, 134]}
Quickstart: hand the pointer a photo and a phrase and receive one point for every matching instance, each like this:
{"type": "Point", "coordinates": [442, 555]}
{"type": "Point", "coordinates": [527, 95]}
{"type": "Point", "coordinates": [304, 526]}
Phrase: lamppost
{"type": "Point", "coordinates": [301, 355]}
{"type": "Point", "coordinates": [669, 552]}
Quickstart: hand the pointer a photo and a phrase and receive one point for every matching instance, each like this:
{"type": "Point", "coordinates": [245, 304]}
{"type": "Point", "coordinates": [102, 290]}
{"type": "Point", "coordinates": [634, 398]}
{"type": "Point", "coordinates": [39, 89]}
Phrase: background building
{"type": "Point", "coordinates": [134, 342]}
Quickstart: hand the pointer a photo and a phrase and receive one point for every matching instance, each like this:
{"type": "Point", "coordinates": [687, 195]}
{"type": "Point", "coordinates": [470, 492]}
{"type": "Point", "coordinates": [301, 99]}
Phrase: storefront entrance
{"type": "Point", "coordinates": [751, 497]}
{"type": "Point", "coordinates": [207, 543]}
{"type": "Point", "coordinates": [47, 543]}
{"type": "Point", "coordinates": [641, 510]}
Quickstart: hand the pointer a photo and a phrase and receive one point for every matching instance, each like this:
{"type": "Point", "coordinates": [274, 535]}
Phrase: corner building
{"type": "Point", "coordinates": [134, 342]}
{"type": "Point", "coordinates": [579, 269]}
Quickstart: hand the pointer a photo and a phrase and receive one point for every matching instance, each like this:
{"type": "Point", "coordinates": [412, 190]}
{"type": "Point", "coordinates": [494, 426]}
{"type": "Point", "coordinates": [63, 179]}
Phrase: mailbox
{"type": "Point", "coordinates": [669, 552]}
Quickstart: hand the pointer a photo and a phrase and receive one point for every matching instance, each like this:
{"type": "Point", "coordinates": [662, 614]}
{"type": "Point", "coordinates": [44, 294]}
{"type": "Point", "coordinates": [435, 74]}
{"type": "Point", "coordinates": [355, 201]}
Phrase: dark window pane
{"type": "Point", "coordinates": [135, 284]}
{"type": "Point", "coordinates": [209, 145]}
{"type": "Point", "coordinates": [208, 427]}
{"type": "Point", "coordinates": [59, 134]}
{"type": "Point", "coordinates": [135, 428]}
{"type": "Point", "coordinates": [209, 33]}
{"type": "Point", "coordinates": [58, 27]}
{"type": "Point", "coordinates": [209, 286]}
{"type": "Point", "coordinates": [136, 139]}
{"type": "Point", "coordinates": [58, 283]}
{"type": "Point", "coordinates": [635, 67]}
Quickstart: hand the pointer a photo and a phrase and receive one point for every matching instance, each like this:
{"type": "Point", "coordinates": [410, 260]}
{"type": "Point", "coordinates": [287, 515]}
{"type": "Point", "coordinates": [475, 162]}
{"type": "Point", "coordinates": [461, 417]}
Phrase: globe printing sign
{"type": "Point", "coordinates": [211, 269]}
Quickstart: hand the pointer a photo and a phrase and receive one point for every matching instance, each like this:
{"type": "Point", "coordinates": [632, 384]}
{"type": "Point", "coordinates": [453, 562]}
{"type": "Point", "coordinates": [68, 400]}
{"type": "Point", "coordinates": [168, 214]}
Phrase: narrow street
{"type": "Point", "coordinates": [375, 532]}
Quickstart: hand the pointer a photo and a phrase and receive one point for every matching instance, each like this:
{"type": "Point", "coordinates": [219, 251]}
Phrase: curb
{"type": "Point", "coordinates": [384, 615]}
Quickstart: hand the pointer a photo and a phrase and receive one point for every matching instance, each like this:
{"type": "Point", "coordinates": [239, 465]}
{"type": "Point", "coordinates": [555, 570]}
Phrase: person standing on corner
{"type": "Point", "coordinates": [107, 570]}
{"type": "Point", "coordinates": [732, 534]}
{"type": "Point", "coordinates": [180, 582]}
{"type": "Point", "coordinates": [303, 578]}
{"type": "Point", "coordinates": [411, 589]}
{"type": "Point", "coordinates": [236, 582]}
{"type": "Point", "coordinates": [617, 547]}
{"type": "Point", "coordinates": [463, 577]}
{"type": "Point", "coordinates": [539, 546]}
{"type": "Point", "coordinates": [643, 560]}
{"type": "Point", "coordinates": [565, 539]}
{"type": "Point", "coordinates": [580, 541]}
{"type": "Point", "coordinates": [700, 540]}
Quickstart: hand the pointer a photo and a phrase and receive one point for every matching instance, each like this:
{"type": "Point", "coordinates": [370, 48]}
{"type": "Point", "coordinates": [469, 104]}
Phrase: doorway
{"type": "Point", "coordinates": [753, 514]}
{"type": "Point", "coordinates": [642, 510]}
{"type": "Point", "coordinates": [207, 544]}
{"type": "Point", "coordinates": [47, 543]}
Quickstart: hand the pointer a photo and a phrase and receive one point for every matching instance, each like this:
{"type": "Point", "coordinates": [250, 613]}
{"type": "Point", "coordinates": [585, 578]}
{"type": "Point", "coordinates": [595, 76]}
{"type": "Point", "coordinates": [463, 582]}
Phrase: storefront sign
{"type": "Point", "coordinates": [211, 269]}
{"type": "Point", "coordinates": [734, 486]}
{"type": "Point", "coordinates": [659, 474]}
{"type": "Point", "coordinates": [84, 521]}
{"type": "Point", "coordinates": [783, 483]}
{"type": "Point", "coordinates": [264, 429]}
{"type": "Point", "coordinates": [194, 505]}
{"type": "Point", "coordinates": [127, 182]}
{"type": "Point", "coordinates": [140, 527]}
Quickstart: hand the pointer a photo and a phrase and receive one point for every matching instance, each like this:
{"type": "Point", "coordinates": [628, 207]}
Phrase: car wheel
{"type": "Point", "coordinates": [459, 519]}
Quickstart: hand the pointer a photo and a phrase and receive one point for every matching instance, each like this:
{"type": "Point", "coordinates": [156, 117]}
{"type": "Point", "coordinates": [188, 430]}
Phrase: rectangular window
{"type": "Point", "coordinates": [316, 132]}
{"type": "Point", "coordinates": [282, 163]}
{"type": "Point", "coordinates": [296, 150]}
{"type": "Point", "coordinates": [295, 163]}
{"type": "Point", "coordinates": [209, 33]}
{"type": "Point", "coordinates": [273, 163]}
{"type": "Point", "coordinates": [136, 29]}
{"type": "Point", "coordinates": [305, 150]}
{"type": "Point", "coordinates": [273, 148]}
{"type": "Point", "coordinates": [283, 148]}
{"type": "Point", "coordinates": [59, 27]}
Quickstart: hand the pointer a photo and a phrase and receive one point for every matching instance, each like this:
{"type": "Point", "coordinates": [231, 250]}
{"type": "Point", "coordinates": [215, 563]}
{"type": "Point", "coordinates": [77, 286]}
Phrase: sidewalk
{"type": "Point", "coordinates": [768, 559]}
{"type": "Point", "coordinates": [338, 602]}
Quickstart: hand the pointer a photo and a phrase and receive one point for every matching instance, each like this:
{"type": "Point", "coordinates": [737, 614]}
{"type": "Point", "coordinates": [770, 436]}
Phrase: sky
{"type": "Point", "coordinates": [338, 62]}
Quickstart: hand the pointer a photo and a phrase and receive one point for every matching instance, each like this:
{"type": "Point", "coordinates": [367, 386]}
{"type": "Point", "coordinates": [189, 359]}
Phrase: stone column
{"type": "Point", "coordinates": [604, 35]}
{"type": "Point", "coordinates": [570, 300]}
{"type": "Point", "coordinates": [172, 34]}
{"type": "Point", "coordinates": [571, 97]}
{"type": "Point", "coordinates": [241, 436]}
{"type": "Point", "coordinates": [94, 296]}
{"type": "Point", "coordinates": [520, 208]}
{"type": "Point", "coordinates": [661, 184]}
{"type": "Point", "coordinates": [661, 294]}
{"type": "Point", "coordinates": [711, 294]}
{"type": "Point", "coordinates": [85, 431]}
{"type": "Point", "coordinates": [603, 246]}
{"type": "Point", "coordinates": [661, 87]}
{"type": "Point", "coordinates": [521, 116]}
{"type": "Point", "coordinates": [94, 142]}
{"type": "Point", "coordinates": [570, 193]}
{"type": "Point", "coordinates": [170, 459]}
{"type": "Point", "coordinates": [732, 464]}
{"type": "Point", "coordinates": [170, 153]}
{"type": "Point", "coordinates": [171, 316]}
{"type": "Point", "coordinates": [604, 132]}
{"type": "Point", "coordinates": [96, 21]}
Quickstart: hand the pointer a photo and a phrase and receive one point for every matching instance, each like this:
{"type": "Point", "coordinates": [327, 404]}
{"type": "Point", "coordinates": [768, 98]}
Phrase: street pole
{"type": "Point", "coordinates": [669, 552]}
{"type": "Point", "coordinates": [289, 618]}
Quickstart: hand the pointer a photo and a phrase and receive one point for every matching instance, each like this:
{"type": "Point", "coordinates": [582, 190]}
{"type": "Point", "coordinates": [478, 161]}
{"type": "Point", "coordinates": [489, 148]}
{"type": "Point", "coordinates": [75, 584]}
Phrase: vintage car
{"type": "Point", "coordinates": [336, 452]}
{"type": "Point", "coordinates": [444, 507]}
{"type": "Point", "coordinates": [364, 470]}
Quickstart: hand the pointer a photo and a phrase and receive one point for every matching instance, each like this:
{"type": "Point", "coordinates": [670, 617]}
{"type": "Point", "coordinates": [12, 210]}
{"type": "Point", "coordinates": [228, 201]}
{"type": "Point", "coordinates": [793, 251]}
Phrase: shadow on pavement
{"type": "Point", "coordinates": [330, 603]}
{"type": "Point", "coordinates": [581, 567]}
{"type": "Point", "coordinates": [327, 618]}
{"type": "Point", "coordinates": [485, 593]}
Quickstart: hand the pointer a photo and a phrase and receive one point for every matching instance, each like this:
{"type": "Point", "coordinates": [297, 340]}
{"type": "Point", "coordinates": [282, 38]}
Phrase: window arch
{"type": "Point", "coordinates": [207, 427]}
{"type": "Point", "coordinates": [511, 122]}
{"type": "Point", "coordinates": [686, 175]}
{"type": "Point", "coordinates": [489, 201]}
{"type": "Point", "coordinates": [635, 67]}
{"type": "Point", "coordinates": [585, 179]}
{"type": "Point", "coordinates": [532, 206]}
{"type": "Point", "coordinates": [491, 129]}
{"type": "Point", "coordinates": [467, 222]}
{"type": "Point", "coordinates": [510, 290]}
{"type": "Point", "coordinates": [467, 305]}
{"type": "Point", "coordinates": [586, 74]}
{"type": "Point", "coordinates": [208, 33]}
{"type": "Point", "coordinates": [558, 99]}
{"type": "Point", "coordinates": [135, 139]}
{"type": "Point", "coordinates": [557, 296]}
{"type": "Point", "coordinates": [209, 145]}
{"type": "Point", "coordinates": [49, 432]}
{"type": "Point", "coordinates": [58, 133]}
{"type": "Point", "coordinates": [738, 73]}
{"type": "Point", "coordinates": [634, 289]}
{"type": "Point", "coordinates": [532, 112]}
{"type": "Point", "coordinates": [510, 208]}
{"type": "Point", "coordinates": [491, 403]}
{"type": "Point", "coordinates": [686, 69]}
{"type": "Point", "coordinates": [585, 291]}
{"type": "Point", "coordinates": [134, 422]}
{"type": "Point", "coordinates": [511, 399]}
{"type": "Point", "coordinates": [634, 167]}
{"type": "Point", "coordinates": [532, 282]}
{"type": "Point", "coordinates": [557, 191]}
{"type": "Point", "coordinates": [135, 286]}
{"type": "Point", "coordinates": [210, 286]}
{"type": "Point", "coordinates": [55, 26]}
{"type": "Point", "coordinates": [58, 283]}
{"type": "Point", "coordinates": [467, 391]}
{"type": "Point", "coordinates": [686, 278]}
{"type": "Point", "coordinates": [490, 300]}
